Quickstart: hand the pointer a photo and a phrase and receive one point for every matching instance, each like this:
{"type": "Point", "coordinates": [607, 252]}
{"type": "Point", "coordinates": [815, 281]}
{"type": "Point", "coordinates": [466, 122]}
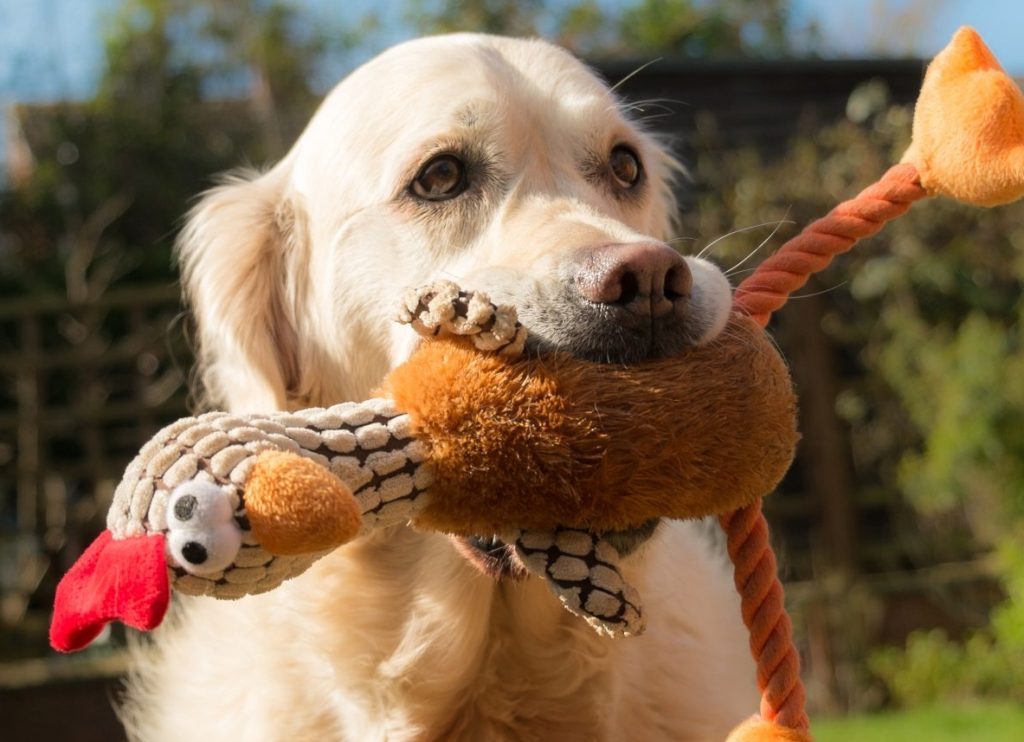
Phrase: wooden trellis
{"type": "Point", "coordinates": [81, 386]}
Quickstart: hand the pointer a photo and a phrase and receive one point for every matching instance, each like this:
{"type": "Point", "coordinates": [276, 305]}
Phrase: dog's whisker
{"type": "Point", "coordinates": [741, 273]}
{"type": "Point", "coordinates": [819, 293]}
{"type": "Point", "coordinates": [763, 242]}
{"type": "Point", "coordinates": [454, 276]}
{"type": "Point", "coordinates": [635, 72]}
{"type": "Point", "coordinates": [674, 101]}
{"type": "Point", "coordinates": [642, 105]}
{"type": "Point", "coordinates": [775, 344]}
{"type": "Point", "coordinates": [652, 117]}
{"type": "Point", "coordinates": [740, 230]}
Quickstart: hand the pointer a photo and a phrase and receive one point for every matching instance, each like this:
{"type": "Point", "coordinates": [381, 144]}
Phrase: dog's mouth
{"type": "Point", "coordinates": [623, 349]}
{"type": "Point", "coordinates": [491, 556]}
{"type": "Point", "coordinates": [606, 334]}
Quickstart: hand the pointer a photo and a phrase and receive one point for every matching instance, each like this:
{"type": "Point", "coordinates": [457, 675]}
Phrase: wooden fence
{"type": "Point", "coordinates": [81, 387]}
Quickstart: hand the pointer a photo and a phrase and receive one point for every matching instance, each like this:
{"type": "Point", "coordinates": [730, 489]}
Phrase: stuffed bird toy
{"type": "Point", "coordinates": [570, 462]}
{"type": "Point", "coordinates": [557, 456]}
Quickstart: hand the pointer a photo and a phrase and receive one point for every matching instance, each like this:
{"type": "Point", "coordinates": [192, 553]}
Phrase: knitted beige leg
{"type": "Point", "coordinates": [583, 571]}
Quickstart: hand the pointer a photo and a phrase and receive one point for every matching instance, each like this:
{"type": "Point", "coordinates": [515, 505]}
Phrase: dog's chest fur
{"type": "Point", "coordinates": [397, 638]}
{"type": "Point", "coordinates": [462, 657]}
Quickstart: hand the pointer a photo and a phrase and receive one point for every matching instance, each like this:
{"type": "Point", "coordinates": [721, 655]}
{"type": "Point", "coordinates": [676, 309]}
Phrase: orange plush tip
{"type": "Point", "coordinates": [296, 506]}
{"type": "Point", "coordinates": [759, 730]}
{"type": "Point", "coordinates": [968, 140]}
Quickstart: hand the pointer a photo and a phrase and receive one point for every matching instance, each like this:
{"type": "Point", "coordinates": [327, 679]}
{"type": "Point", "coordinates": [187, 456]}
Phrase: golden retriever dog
{"type": "Point", "coordinates": [506, 166]}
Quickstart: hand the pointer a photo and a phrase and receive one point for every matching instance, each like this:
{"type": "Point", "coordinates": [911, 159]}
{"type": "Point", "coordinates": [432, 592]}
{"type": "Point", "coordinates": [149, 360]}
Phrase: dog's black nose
{"type": "Point", "coordinates": [645, 278]}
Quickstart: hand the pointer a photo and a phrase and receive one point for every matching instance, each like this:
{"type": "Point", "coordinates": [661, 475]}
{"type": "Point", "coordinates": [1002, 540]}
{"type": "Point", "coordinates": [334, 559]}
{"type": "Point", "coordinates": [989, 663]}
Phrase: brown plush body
{"type": "Point", "coordinates": [555, 441]}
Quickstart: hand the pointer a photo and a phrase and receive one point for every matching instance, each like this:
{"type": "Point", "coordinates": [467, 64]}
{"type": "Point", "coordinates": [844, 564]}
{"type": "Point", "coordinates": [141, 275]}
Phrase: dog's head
{"type": "Point", "coordinates": [503, 164]}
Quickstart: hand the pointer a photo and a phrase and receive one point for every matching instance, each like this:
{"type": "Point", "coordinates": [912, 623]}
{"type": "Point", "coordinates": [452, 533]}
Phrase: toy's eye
{"type": "Point", "coordinates": [207, 550]}
{"type": "Point", "coordinates": [442, 178]}
{"type": "Point", "coordinates": [184, 507]}
{"type": "Point", "coordinates": [202, 535]}
{"type": "Point", "coordinates": [200, 502]}
{"type": "Point", "coordinates": [625, 167]}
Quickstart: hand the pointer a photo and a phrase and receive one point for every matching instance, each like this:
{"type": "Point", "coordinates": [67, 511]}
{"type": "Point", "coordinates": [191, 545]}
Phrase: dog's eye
{"type": "Point", "coordinates": [625, 164]}
{"type": "Point", "coordinates": [442, 178]}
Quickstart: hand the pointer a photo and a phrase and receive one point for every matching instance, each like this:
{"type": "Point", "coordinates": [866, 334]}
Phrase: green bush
{"type": "Point", "coordinates": [988, 665]}
{"type": "Point", "coordinates": [933, 668]}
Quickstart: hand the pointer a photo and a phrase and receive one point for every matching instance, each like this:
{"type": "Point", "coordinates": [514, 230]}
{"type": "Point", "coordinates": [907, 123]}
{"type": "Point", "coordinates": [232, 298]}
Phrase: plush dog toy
{"type": "Point", "coordinates": [565, 459]}
{"type": "Point", "coordinates": [555, 455]}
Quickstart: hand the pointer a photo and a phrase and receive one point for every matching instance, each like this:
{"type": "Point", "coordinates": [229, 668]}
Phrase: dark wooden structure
{"type": "Point", "coordinates": [761, 103]}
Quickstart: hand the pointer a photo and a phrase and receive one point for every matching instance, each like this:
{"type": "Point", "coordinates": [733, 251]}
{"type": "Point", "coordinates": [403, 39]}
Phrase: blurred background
{"type": "Point", "coordinates": [899, 528]}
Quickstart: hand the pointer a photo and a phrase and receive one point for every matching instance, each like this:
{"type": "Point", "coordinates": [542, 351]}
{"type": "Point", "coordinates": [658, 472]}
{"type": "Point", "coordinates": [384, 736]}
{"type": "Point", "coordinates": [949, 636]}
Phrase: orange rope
{"type": "Point", "coordinates": [756, 573]}
{"type": "Point", "coordinates": [764, 613]}
{"type": "Point", "coordinates": [812, 250]}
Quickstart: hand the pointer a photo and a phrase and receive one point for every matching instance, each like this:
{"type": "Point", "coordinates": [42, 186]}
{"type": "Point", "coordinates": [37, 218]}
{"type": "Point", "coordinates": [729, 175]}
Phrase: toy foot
{"type": "Point", "coordinates": [758, 730]}
{"type": "Point", "coordinates": [969, 126]}
{"type": "Point", "coordinates": [296, 506]}
{"type": "Point", "coordinates": [583, 571]}
{"type": "Point", "coordinates": [443, 308]}
{"type": "Point", "coordinates": [202, 534]}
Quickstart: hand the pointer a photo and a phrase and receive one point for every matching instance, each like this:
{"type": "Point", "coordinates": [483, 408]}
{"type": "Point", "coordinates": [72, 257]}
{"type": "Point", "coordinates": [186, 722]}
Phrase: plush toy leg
{"type": "Point", "coordinates": [757, 729]}
{"type": "Point", "coordinates": [296, 506]}
{"type": "Point", "coordinates": [969, 126]}
{"type": "Point", "coordinates": [582, 569]}
{"type": "Point", "coordinates": [442, 308]}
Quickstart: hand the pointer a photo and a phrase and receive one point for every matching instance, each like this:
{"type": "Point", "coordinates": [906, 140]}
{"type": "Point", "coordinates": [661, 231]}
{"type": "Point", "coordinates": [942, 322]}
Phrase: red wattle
{"type": "Point", "coordinates": [124, 580]}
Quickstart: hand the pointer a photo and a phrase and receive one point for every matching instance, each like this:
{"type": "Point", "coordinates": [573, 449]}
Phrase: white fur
{"type": "Point", "coordinates": [292, 275]}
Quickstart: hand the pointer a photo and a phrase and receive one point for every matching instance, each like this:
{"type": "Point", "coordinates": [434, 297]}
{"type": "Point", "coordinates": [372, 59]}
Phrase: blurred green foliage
{"type": "Point", "coordinates": [189, 90]}
{"type": "Point", "coordinates": [687, 28]}
{"type": "Point", "coordinates": [989, 664]}
{"type": "Point", "coordinates": [933, 669]}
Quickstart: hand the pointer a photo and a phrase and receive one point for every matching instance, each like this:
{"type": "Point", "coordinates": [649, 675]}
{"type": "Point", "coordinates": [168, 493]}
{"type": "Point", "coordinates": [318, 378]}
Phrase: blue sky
{"type": "Point", "coordinates": [920, 28]}
{"type": "Point", "coordinates": [52, 49]}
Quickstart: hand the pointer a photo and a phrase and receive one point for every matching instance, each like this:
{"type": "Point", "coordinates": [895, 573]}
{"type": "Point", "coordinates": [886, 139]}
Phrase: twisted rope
{"type": "Point", "coordinates": [764, 613]}
{"type": "Point", "coordinates": [756, 573]}
{"type": "Point", "coordinates": [812, 250]}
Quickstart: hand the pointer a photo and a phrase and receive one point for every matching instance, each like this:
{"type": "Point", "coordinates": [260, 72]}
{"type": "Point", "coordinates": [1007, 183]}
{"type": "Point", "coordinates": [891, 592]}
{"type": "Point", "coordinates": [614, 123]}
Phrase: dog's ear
{"type": "Point", "coordinates": [237, 256]}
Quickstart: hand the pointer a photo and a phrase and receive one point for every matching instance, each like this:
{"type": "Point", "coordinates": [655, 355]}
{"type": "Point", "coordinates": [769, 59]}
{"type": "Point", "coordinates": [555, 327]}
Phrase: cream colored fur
{"type": "Point", "coordinates": [292, 275]}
